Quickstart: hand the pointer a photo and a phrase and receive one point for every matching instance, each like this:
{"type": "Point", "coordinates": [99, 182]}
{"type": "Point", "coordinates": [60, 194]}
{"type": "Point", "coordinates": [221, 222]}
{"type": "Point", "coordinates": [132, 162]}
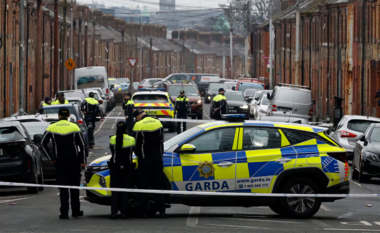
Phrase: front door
{"type": "Point", "coordinates": [212, 166]}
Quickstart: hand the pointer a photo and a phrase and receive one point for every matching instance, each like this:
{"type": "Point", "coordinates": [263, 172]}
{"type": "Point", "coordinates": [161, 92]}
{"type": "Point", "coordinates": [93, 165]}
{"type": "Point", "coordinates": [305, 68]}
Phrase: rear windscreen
{"type": "Point", "coordinates": [91, 81]}
{"type": "Point", "coordinates": [286, 95]}
{"type": "Point", "coordinates": [302, 97]}
{"type": "Point", "coordinates": [150, 99]}
{"type": "Point", "coordinates": [154, 81]}
{"type": "Point", "coordinates": [9, 134]}
{"type": "Point", "coordinates": [359, 125]}
{"type": "Point", "coordinates": [189, 90]}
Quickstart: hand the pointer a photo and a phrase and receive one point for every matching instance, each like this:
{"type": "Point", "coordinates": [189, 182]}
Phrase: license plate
{"type": "Point", "coordinates": [233, 111]}
{"type": "Point", "coordinates": [1, 151]}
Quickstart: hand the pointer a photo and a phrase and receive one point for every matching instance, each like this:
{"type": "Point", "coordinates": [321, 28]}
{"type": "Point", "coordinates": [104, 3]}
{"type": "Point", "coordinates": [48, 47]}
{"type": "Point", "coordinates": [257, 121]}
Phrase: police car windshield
{"type": "Point", "coordinates": [181, 137]}
{"type": "Point", "coordinates": [234, 95]}
{"type": "Point", "coordinates": [216, 86]}
{"type": "Point", "coordinates": [189, 90]}
{"type": "Point", "coordinates": [150, 99]}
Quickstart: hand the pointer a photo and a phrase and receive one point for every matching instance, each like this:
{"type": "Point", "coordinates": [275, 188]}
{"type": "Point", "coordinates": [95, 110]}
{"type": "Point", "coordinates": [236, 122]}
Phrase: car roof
{"type": "Point", "coordinates": [151, 93]}
{"type": "Point", "coordinates": [306, 128]}
{"type": "Point", "coordinates": [293, 88]}
{"type": "Point", "coordinates": [73, 98]}
{"type": "Point", "coordinates": [280, 118]}
{"type": "Point", "coordinates": [181, 84]}
{"type": "Point", "coordinates": [361, 117]}
{"type": "Point", "coordinates": [36, 123]}
{"type": "Point", "coordinates": [59, 105]}
{"type": "Point", "coordinates": [22, 117]}
{"type": "Point", "coordinates": [9, 124]}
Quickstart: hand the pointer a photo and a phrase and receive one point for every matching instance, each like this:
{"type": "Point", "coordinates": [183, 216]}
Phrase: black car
{"type": "Point", "coordinates": [366, 161]}
{"type": "Point", "coordinates": [39, 128]}
{"type": "Point", "coordinates": [20, 158]}
{"type": "Point", "coordinates": [212, 91]}
{"type": "Point", "coordinates": [235, 104]}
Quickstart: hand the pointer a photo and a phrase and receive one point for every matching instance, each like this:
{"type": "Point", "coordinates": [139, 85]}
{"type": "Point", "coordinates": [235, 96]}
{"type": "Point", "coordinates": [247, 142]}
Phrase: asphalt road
{"type": "Point", "coordinates": [22, 212]}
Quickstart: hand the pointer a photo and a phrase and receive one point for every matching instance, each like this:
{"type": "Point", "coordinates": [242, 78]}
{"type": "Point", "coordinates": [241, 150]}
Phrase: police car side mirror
{"type": "Point", "coordinates": [186, 148]}
{"type": "Point", "coordinates": [37, 138]}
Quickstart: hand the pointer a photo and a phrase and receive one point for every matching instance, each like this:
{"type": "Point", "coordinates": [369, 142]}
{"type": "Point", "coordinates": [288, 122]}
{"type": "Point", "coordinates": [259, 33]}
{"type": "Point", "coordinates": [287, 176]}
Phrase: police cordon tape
{"type": "Point", "coordinates": [189, 192]}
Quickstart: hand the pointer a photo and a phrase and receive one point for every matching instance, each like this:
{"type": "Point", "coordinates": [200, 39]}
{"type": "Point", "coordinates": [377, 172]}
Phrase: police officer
{"type": "Point", "coordinates": [128, 106]}
{"type": "Point", "coordinates": [66, 137]}
{"type": "Point", "coordinates": [47, 102]}
{"type": "Point", "coordinates": [90, 108]}
{"type": "Point", "coordinates": [121, 167]}
{"type": "Point", "coordinates": [149, 150]}
{"type": "Point", "coordinates": [181, 106]}
{"type": "Point", "coordinates": [60, 99]}
{"type": "Point", "coordinates": [219, 104]}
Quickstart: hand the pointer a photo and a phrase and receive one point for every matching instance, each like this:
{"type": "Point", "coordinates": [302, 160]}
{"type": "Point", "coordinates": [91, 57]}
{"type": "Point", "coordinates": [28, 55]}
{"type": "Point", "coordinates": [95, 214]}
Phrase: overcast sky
{"type": "Point", "coordinates": [153, 5]}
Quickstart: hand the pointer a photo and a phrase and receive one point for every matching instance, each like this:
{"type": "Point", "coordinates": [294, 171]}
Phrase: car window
{"type": "Point", "coordinates": [9, 134]}
{"type": "Point", "coordinates": [286, 95]}
{"type": "Point", "coordinates": [249, 92]}
{"type": "Point", "coordinates": [375, 136]}
{"type": "Point", "coordinates": [246, 87]}
{"type": "Point", "coordinates": [181, 137]}
{"type": "Point", "coordinates": [255, 138]}
{"type": "Point", "coordinates": [264, 100]}
{"type": "Point", "coordinates": [190, 90]}
{"type": "Point", "coordinates": [295, 136]}
{"type": "Point", "coordinates": [216, 140]}
{"type": "Point", "coordinates": [153, 81]}
{"type": "Point", "coordinates": [150, 99]}
{"type": "Point", "coordinates": [359, 125]}
{"type": "Point", "coordinates": [234, 95]}
{"type": "Point", "coordinates": [257, 94]}
{"type": "Point", "coordinates": [28, 120]}
{"type": "Point", "coordinates": [216, 86]}
{"type": "Point", "coordinates": [302, 97]}
{"type": "Point", "coordinates": [90, 81]}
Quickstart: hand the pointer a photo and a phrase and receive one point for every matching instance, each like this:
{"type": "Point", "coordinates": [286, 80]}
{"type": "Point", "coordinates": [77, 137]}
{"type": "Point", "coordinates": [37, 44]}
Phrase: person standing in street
{"type": "Point", "coordinates": [60, 99]}
{"type": "Point", "coordinates": [69, 156]}
{"type": "Point", "coordinates": [181, 106]}
{"type": "Point", "coordinates": [149, 150]}
{"type": "Point", "coordinates": [90, 108]}
{"type": "Point", "coordinates": [121, 167]}
{"type": "Point", "coordinates": [47, 102]}
{"type": "Point", "coordinates": [219, 104]}
{"type": "Point", "coordinates": [128, 106]}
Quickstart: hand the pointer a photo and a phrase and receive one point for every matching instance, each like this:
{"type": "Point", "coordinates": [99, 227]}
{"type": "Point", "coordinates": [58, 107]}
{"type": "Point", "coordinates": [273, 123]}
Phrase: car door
{"type": "Point", "coordinates": [212, 167]}
{"type": "Point", "coordinates": [263, 153]}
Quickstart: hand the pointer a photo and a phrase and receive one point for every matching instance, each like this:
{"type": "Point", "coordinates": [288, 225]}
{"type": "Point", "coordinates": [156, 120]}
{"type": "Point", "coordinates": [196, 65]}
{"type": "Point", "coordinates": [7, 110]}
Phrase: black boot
{"type": "Point", "coordinates": [113, 216]}
{"type": "Point", "coordinates": [162, 215]}
{"type": "Point", "coordinates": [124, 216]}
{"type": "Point", "coordinates": [76, 215]}
{"type": "Point", "coordinates": [63, 217]}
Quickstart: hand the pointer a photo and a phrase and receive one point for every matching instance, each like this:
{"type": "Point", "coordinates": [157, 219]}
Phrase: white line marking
{"type": "Point", "coordinates": [192, 221]}
{"type": "Point", "coordinates": [355, 182]}
{"type": "Point", "coordinates": [345, 215]}
{"type": "Point", "coordinates": [366, 223]}
{"type": "Point", "coordinates": [342, 229]}
{"type": "Point", "coordinates": [319, 223]}
{"type": "Point", "coordinates": [207, 116]}
{"type": "Point", "coordinates": [102, 123]}
{"type": "Point", "coordinates": [260, 220]}
{"type": "Point", "coordinates": [324, 208]}
{"type": "Point", "coordinates": [219, 225]}
{"type": "Point", "coordinates": [18, 199]}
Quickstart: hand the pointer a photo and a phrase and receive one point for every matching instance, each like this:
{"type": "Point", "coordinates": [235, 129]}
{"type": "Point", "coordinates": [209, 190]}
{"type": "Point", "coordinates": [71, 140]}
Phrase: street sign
{"type": "Point", "coordinates": [132, 61]}
{"type": "Point", "coordinates": [70, 64]}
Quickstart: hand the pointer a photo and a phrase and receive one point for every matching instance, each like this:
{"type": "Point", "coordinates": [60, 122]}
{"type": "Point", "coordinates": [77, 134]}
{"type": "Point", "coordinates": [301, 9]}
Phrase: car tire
{"type": "Point", "coordinates": [362, 178]}
{"type": "Point", "coordinates": [33, 190]}
{"type": "Point", "coordinates": [355, 173]}
{"type": "Point", "coordinates": [41, 179]}
{"type": "Point", "coordinates": [295, 207]}
{"type": "Point", "coordinates": [200, 116]}
{"type": "Point", "coordinates": [276, 208]}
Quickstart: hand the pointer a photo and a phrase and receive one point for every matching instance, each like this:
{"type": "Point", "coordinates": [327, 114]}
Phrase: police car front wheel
{"type": "Point", "coordinates": [300, 207]}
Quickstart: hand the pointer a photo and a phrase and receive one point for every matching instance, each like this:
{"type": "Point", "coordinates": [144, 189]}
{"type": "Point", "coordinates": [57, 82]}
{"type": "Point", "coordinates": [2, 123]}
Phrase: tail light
{"type": "Point", "coordinates": [345, 134]}
{"type": "Point", "coordinates": [339, 156]}
{"type": "Point", "coordinates": [311, 112]}
{"type": "Point", "coordinates": [100, 101]}
{"type": "Point", "coordinates": [80, 122]}
{"type": "Point", "coordinates": [107, 91]}
{"type": "Point", "coordinates": [141, 86]}
{"type": "Point", "coordinates": [274, 108]}
{"type": "Point", "coordinates": [108, 98]}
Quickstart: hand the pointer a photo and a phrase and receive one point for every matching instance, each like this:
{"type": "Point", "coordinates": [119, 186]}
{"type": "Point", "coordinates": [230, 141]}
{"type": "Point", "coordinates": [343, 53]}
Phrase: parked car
{"type": "Point", "coordinates": [256, 101]}
{"type": "Point", "coordinates": [135, 86]}
{"type": "Point", "coordinates": [231, 85]}
{"type": "Point", "coordinates": [26, 118]}
{"type": "Point", "coordinates": [93, 76]}
{"type": "Point", "coordinates": [75, 93]}
{"type": "Point", "coordinates": [148, 83]}
{"type": "Point", "coordinates": [212, 90]}
{"type": "Point", "coordinates": [75, 100]}
{"type": "Point", "coordinates": [38, 128]}
{"type": "Point", "coordinates": [258, 81]}
{"type": "Point", "coordinates": [124, 84]}
{"type": "Point", "coordinates": [235, 104]}
{"type": "Point", "coordinates": [260, 107]}
{"type": "Point", "coordinates": [114, 84]}
{"type": "Point", "coordinates": [293, 120]}
{"type": "Point", "coordinates": [245, 86]}
{"type": "Point", "coordinates": [291, 100]}
{"type": "Point", "coordinates": [366, 160]}
{"type": "Point", "coordinates": [21, 160]}
{"type": "Point", "coordinates": [348, 130]}
{"type": "Point", "coordinates": [249, 93]}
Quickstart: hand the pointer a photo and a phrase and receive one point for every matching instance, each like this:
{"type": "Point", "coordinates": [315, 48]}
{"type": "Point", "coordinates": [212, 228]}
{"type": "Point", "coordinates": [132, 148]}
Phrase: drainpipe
{"type": "Point", "coordinates": [310, 53]}
{"type": "Point", "coordinates": [338, 54]}
{"type": "Point", "coordinates": [302, 54]}
{"type": "Point", "coordinates": [27, 59]}
{"type": "Point", "coordinates": [43, 57]}
{"type": "Point", "coordinates": [51, 58]}
{"type": "Point", "coordinates": [363, 54]}
{"type": "Point", "coordinates": [284, 71]}
{"type": "Point", "coordinates": [290, 55]}
{"type": "Point", "coordinates": [328, 62]}
{"type": "Point", "coordinates": [5, 58]}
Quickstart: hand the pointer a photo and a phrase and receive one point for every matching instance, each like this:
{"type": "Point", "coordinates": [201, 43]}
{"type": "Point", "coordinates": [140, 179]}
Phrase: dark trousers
{"type": "Point", "coordinates": [120, 178]}
{"type": "Point", "coordinates": [69, 174]}
{"type": "Point", "coordinates": [130, 124]}
{"type": "Point", "coordinates": [181, 115]}
{"type": "Point", "coordinates": [90, 122]}
{"type": "Point", "coordinates": [150, 175]}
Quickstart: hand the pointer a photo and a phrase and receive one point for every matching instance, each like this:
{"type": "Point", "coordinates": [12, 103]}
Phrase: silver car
{"type": "Point", "coordinates": [348, 130]}
{"type": "Point", "coordinates": [291, 100]}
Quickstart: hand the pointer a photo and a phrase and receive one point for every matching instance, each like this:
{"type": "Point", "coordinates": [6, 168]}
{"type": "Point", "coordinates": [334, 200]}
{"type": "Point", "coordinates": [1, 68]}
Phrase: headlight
{"type": "Point", "coordinates": [199, 101]}
{"type": "Point", "coordinates": [208, 97]}
{"type": "Point", "coordinates": [155, 86]}
{"type": "Point", "coordinates": [244, 106]}
{"type": "Point", "coordinates": [373, 157]}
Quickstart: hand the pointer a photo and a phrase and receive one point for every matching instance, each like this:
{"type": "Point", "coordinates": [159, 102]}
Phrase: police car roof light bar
{"type": "Point", "coordinates": [234, 117]}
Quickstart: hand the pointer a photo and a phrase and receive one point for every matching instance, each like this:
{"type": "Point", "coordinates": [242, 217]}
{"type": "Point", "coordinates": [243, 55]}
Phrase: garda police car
{"type": "Point", "coordinates": [251, 157]}
{"type": "Point", "coordinates": [156, 103]}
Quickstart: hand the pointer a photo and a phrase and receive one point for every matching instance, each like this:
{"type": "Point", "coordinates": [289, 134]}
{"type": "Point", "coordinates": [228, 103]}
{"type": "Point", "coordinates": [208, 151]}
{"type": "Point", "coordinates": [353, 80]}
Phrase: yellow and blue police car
{"type": "Point", "coordinates": [250, 156]}
{"type": "Point", "coordinates": [156, 103]}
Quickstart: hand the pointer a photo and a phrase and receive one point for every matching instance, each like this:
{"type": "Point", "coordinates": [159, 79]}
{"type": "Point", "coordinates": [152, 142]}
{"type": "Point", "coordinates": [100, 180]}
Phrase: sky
{"type": "Point", "coordinates": [153, 5]}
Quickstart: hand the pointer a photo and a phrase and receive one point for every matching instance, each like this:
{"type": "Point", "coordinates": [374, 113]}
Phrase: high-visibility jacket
{"type": "Point", "coordinates": [128, 108]}
{"type": "Point", "coordinates": [45, 104]}
{"type": "Point", "coordinates": [90, 106]}
{"type": "Point", "coordinates": [123, 155]}
{"type": "Point", "coordinates": [55, 102]}
{"type": "Point", "coordinates": [182, 104]}
{"type": "Point", "coordinates": [219, 102]}
{"type": "Point", "coordinates": [66, 137]}
{"type": "Point", "coordinates": [149, 137]}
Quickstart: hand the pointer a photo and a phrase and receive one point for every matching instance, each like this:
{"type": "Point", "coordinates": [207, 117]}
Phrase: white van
{"type": "Point", "coordinates": [93, 76]}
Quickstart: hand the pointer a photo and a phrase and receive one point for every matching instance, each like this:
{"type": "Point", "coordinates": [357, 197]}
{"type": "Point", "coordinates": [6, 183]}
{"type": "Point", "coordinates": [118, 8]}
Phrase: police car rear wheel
{"type": "Point", "coordinates": [300, 207]}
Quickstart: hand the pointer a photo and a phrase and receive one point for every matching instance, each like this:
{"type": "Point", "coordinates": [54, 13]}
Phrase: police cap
{"type": "Point", "coordinates": [182, 92]}
{"type": "Point", "coordinates": [138, 112]}
{"type": "Point", "coordinates": [91, 94]}
{"type": "Point", "coordinates": [221, 89]}
{"type": "Point", "coordinates": [128, 94]}
{"type": "Point", "coordinates": [64, 111]}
